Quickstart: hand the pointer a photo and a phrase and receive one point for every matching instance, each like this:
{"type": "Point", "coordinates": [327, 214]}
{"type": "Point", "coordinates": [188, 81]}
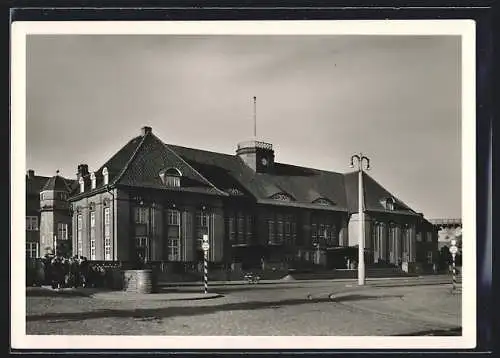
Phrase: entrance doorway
{"type": "Point", "coordinates": [142, 249]}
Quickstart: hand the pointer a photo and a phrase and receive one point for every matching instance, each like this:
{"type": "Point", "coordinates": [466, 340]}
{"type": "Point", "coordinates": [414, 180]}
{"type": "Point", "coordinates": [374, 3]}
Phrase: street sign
{"type": "Point", "coordinates": [453, 250]}
{"type": "Point", "coordinates": [205, 246]}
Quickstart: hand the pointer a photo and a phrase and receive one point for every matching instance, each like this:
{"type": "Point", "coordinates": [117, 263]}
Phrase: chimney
{"type": "Point", "coordinates": [83, 169]}
{"type": "Point", "coordinates": [30, 174]}
{"type": "Point", "coordinates": [146, 130]}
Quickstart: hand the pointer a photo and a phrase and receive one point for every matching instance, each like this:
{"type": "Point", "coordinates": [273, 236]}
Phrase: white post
{"type": "Point", "coordinates": [454, 278]}
{"type": "Point", "coordinates": [453, 248]}
{"type": "Point", "coordinates": [361, 215]}
{"type": "Point", "coordinates": [55, 245]}
{"type": "Point", "coordinates": [361, 244]}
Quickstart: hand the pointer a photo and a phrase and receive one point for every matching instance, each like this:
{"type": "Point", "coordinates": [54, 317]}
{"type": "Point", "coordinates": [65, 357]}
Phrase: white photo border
{"type": "Point", "coordinates": [19, 32]}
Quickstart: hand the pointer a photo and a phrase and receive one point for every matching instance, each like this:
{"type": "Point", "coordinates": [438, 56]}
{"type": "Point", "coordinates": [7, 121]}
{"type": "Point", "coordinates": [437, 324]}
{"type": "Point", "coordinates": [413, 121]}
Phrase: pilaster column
{"type": "Point", "coordinates": [344, 232]}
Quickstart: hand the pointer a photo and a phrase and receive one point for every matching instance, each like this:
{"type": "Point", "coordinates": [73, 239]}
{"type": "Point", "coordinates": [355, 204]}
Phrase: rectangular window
{"type": "Point", "coordinates": [232, 231]}
{"type": "Point", "coordinates": [141, 242]}
{"type": "Point", "coordinates": [79, 235]}
{"type": "Point", "coordinates": [32, 249]}
{"type": "Point", "coordinates": [429, 237]}
{"type": "Point", "coordinates": [173, 181]}
{"type": "Point", "coordinates": [31, 223]}
{"type": "Point", "coordinates": [62, 231]}
{"type": "Point", "coordinates": [429, 257]}
{"type": "Point", "coordinates": [174, 250]}
{"type": "Point", "coordinates": [280, 231]}
{"type": "Point", "coordinates": [249, 228]}
{"type": "Point", "coordinates": [419, 237]}
{"type": "Point", "coordinates": [241, 228]}
{"type": "Point", "coordinates": [333, 235]}
{"type": "Point", "coordinates": [314, 233]}
{"type": "Point", "coordinates": [107, 234]}
{"type": "Point", "coordinates": [287, 232]}
{"type": "Point", "coordinates": [270, 230]}
{"type": "Point", "coordinates": [174, 217]}
{"type": "Point", "coordinates": [142, 247]}
{"type": "Point", "coordinates": [141, 215]}
{"type": "Point", "coordinates": [92, 236]}
{"type": "Point", "coordinates": [174, 235]}
{"type": "Point", "coordinates": [202, 220]}
{"type": "Point", "coordinates": [294, 232]}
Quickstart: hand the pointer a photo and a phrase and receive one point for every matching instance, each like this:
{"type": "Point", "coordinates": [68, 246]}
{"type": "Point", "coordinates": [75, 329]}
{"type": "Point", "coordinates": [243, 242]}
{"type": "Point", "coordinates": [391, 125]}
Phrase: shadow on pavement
{"type": "Point", "coordinates": [41, 292]}
{"type": "Point", "coordinates": [225, 289]}
{"type": "Point", "coordinates": [438, 332]}
{"type": "Point", "coordinates": [165, 312]}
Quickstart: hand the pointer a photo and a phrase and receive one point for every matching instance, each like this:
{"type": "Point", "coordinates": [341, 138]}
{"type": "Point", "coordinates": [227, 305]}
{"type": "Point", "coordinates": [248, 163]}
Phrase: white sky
{"type": "Point", "coordinates": [319, 100]}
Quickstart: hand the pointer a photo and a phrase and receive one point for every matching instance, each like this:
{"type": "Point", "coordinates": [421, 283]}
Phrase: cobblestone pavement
{"type": "Point", "coordinates": [321, 308]}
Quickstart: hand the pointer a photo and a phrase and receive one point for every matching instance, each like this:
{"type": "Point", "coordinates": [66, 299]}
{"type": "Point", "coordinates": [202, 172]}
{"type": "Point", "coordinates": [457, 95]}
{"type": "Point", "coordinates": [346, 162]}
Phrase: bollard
{"type": "Point", "coordinates": [205, 269]}
{"type": "Point", "coordinates": [454, 278]}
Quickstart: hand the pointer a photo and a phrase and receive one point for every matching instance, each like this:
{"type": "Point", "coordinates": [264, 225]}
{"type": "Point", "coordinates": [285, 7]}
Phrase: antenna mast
{"type": "Point", "coordinates": [255, 117]}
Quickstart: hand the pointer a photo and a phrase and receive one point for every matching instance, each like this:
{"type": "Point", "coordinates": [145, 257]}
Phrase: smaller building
{"type": "Point", "coordinates": [48, 215]}
{"type": "Point", "coordinates": [447, 230]}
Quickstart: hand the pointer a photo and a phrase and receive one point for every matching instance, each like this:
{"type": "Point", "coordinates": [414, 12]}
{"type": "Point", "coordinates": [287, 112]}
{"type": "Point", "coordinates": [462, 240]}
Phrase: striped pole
{"type": "Point", "coordinates": [205, 271]}
{"type": "Point", "coordinates": [454, 278]}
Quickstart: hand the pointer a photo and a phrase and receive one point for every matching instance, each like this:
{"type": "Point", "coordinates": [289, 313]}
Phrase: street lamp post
{"type": "Point", "coordinates": [358, 160]}
{"type": "Point", "coordinates": [317, 253]}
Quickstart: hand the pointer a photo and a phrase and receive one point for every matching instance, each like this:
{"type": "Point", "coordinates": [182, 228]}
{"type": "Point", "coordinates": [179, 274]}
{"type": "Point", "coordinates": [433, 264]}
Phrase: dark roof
{"type": "Point", "coordinates": [35, 184]}
{"type": "Point", "coordinates": [374, 195]}
{"type": "Point", "coordinates": [57, 183]}
{"type": "Point", "coordinates": [139, 162]}
{"type": "Point", "coordinates": [303, 185]}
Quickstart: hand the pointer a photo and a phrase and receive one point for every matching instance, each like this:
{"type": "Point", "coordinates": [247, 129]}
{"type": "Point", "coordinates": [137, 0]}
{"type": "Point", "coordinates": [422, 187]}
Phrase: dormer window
{"type": "Point", "coordinates": [282, 197]}
{"type": "Point", "coordinates": [92, 180]}
{"type": "Point", "coordinates": [234, 191]}
{"type": "Point", "coordinates": [82, 184]}
{"type": "Point", "coordinates": [323, 201]}
{"type": "Point", "coordinates": [390, 203]}
{"type": "Point", "coordinates": [171, 177]}
{"type": "Point", "coordinates": [105, 175]}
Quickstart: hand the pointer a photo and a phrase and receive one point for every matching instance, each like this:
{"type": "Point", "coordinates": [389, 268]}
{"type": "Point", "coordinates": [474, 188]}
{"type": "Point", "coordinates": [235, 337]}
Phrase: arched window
{"type": "Point", "coordinates": [105, 175]}
{"type": "Point", "coordinates": [171, 177]}
{"type": "Point", "coordinates": [390, 203]}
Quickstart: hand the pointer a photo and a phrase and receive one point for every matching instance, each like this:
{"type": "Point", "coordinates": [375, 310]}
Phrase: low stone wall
{"type": "Point", "coordinates": [140, 281]}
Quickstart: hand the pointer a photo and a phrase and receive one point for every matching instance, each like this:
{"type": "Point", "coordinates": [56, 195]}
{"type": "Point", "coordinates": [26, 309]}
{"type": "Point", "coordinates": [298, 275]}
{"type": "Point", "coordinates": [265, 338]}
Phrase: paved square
{"type": "Point", "coordinates": [296, 308]}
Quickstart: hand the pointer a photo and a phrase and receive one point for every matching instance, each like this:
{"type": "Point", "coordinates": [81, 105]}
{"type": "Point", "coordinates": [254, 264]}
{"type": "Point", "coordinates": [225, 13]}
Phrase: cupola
{"type": "Point", "coordinates": [257, 155]}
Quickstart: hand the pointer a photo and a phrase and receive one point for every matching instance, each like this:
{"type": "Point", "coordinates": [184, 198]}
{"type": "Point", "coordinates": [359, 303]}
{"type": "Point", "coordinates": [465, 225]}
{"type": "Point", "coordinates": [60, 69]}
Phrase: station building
{"type": "Point", "coordinates": [156, 201]}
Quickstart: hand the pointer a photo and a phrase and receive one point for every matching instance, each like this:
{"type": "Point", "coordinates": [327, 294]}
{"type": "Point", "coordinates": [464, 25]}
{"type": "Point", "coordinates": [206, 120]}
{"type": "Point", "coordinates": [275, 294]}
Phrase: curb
{"type": "Point", "coordinates": [129, 296]}
{"type": "Point", "coordinates": [287, 281]}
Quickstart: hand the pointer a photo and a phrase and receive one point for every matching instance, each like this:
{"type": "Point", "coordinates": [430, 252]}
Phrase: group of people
{"type": "Point", "coordinates": [68, 272]}
{"type": "Point", "coordinates": [61, 272]}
